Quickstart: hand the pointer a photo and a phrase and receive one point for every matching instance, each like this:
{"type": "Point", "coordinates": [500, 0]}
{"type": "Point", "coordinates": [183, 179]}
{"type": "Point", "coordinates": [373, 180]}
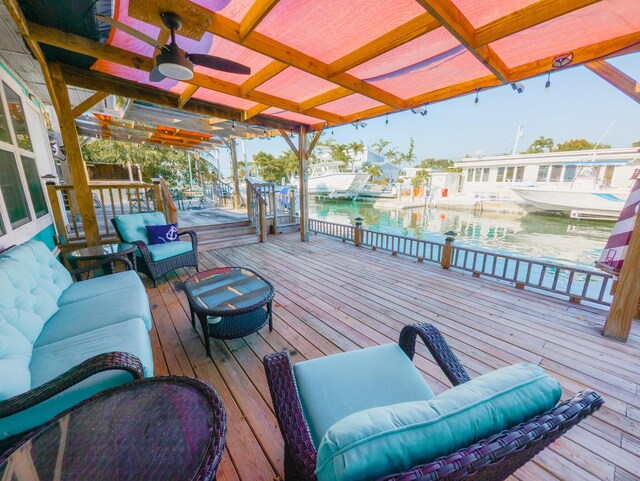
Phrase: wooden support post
{"type": "Point", "coordinates": [447, 249]}
{"type": "Point", "coordinates": [263, 221]}
{"type": "Point", "coordinates": [248, 200]}
{"type": "Point", "coordinates": [234, 166]}
{"type": "Point", "coordinates": [76, 165]}
{"type": "Point", "coordinates": [625, 302]}
{"type": "Point", "coordinates": [157, 198]}
{"type": "Point", "coordinates": [292, 204]}
{"type": "Point", "coordinates": [57, 212]}
{"type": "Point", "coordinates": [357, 233]}
{"type": "Point", "coordinates": [303, 167]}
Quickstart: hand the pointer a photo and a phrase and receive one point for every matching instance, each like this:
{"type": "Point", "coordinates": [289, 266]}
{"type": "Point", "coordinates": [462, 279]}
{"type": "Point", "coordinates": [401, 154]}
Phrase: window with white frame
{"type": "Point", "coordinates": [22, 197]}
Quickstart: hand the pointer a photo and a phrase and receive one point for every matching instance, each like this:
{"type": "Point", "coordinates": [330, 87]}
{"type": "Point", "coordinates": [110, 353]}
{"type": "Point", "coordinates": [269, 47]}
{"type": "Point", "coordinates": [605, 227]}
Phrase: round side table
{"type": "Point", "coordinates": [104, 252]}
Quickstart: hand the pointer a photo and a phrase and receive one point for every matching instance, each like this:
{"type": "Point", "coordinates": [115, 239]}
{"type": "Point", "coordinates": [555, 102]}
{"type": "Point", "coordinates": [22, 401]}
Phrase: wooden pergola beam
{"type": "Point", "coordinates": [406, 32]}
{"type": "Point", "coordinates": [186, 95]}
{"type": "Point", "coordinates": [324, 98]}
{"type": "Point", "coordinates": [529, 16]}
{"type": "Point", "coordinates": [264, 74]}
{"type": "Point", "coordinates": [253, 111]}
{"type": "Point", "coordinates": [91, 79]}
{"type": "Point", "coordinates": [85, 105]}
{"type": "Point", "coordinates": [616, 77]}
{"type": "Point", "coordinates": [254, 16]}
{"type": "Point", "coordinates": [451, 18]}
{"type": "Point", "coordinates": [229, 30]}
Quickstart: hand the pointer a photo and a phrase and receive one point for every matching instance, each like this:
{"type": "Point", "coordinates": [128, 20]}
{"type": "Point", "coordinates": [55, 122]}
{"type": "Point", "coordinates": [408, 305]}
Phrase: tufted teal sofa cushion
{"type": "Point", "coordinates": [24, 302]}
{"type": "Point", "coordinates": [133, 227]}
{"type": "Point", "coordinates": [43, 266]}
{"type": "Point", "coordinates": [381, 441]}
{"type": "Point", "coordinates": [15, 356]}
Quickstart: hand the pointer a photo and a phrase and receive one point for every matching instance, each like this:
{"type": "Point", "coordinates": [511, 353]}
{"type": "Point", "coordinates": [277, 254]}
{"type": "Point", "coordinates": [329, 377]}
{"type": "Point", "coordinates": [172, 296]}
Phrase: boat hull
{"type": "Point", "coordinates": [340, 184]}
{"type": "Point", "coordinates": [570, 202]}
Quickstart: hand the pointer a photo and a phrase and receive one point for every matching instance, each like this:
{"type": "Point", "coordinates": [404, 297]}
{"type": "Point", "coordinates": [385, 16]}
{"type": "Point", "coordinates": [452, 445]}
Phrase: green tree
{"type": "Point", "coordinates": [354, 148]}
{"type": "Point", "coordinates": [580, 144]}
{"type": "Point", "coordinates": [421, 176]}
{"type": "Point", "coordinates": [373, 169]}
{"type": "Point", "coordinates": [408, 157]}
{"type": "Point", "coordinates": [636, 143]}
{"type": "Point", "coordinates": [392, 155]}
{"type": "Point", "coordinates": [379, 146]}
{"type": "Point", "coordinates": [541, 144]}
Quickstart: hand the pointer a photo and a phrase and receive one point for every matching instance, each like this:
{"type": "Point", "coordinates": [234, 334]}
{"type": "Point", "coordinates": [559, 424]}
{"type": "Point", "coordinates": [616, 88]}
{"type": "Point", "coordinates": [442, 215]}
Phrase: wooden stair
{"type": "Point", "coordinates": [225, 235]}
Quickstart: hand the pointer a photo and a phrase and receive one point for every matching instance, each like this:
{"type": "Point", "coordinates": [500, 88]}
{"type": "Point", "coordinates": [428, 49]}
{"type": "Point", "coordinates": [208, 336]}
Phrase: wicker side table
{"type": "Point", "coordinates": [104, 252]}
{"type": "Point", "coordinates": [160, 429]}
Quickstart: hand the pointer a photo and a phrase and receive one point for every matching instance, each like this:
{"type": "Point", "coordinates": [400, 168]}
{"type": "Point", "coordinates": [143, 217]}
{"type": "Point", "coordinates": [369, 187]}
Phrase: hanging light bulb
{"type": "Point", "coordinates": [477, 99]}
{"type": "Point", "coordinates": [547, 85]}
{"type": "Point", "coordinates": [233, 126]}
{"type": "Point", "coordinates": [386, 121]}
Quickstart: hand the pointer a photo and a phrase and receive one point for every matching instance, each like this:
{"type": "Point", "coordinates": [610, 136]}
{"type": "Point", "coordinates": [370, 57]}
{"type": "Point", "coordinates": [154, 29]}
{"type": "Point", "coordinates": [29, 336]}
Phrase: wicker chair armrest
{"type": "Point", "coordinates": [505, 452]}
{"type": "Point", "coordinates": [193, 235]}
{"type": "Point", "coordinates": [438, 347]}
{"type": "Point", "coordinates": [102, 362]}
{"type": "Point", "coordinates": [144, 250]}
{"type": "Point", "coordinates": [288, 409]}
{"type": "Point", "coordinates": [98, 264]}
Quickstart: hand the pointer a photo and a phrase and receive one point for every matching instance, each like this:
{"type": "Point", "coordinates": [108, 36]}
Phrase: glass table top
{"type": "Point", "coordinates": [228, 289]}
{"type": "Point", "coordinates": [102, 250]}
{"type": "Point", "coordinates": [154, 431]}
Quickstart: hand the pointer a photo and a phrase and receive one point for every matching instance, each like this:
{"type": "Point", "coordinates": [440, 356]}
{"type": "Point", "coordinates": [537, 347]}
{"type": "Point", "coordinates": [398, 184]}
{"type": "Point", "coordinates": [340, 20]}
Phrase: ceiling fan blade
{"type": "Point", "coordinates": [131, 31]}
{"type": "Point", "coordinates": [155, 75]}
{"type": "Point", "coordinates": [218, 63]}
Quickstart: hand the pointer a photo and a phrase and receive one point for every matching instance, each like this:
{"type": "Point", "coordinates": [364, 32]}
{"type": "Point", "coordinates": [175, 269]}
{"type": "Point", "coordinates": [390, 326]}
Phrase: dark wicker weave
{"type": "Point", "coordinates": [237, 323]}
{"type": "Point", "coordinates": [161, 428]}
{"type": "Point", "coordinates": [492, 459]}
{"type": "Point", "coordinates": [157, 269]}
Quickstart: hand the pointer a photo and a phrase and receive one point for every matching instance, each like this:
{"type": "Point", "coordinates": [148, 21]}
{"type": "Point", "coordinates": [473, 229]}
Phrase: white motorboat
{"type": "Point", "coordinates": [327, 180]}
{"type": "Point", "coordinates": [582, 198]}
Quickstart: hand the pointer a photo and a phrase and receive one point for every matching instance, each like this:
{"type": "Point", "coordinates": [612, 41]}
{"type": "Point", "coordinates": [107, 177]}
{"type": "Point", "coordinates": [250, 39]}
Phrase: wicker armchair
{"type": "Point", "coordinates": [157, 268]}
{"type": "Point", "coordinates": [491, 459]}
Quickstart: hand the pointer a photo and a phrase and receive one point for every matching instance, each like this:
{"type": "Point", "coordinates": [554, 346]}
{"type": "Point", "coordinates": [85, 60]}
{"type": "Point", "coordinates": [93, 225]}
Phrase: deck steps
{"type": "Point", "coordinates": [226, 235]}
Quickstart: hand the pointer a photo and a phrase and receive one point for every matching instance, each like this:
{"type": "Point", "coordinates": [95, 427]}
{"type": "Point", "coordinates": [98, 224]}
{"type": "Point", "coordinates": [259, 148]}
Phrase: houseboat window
{"type": "Point", "coordinates": [470, 175]}
{"type": "Point", "coordinates": [510, 171]}
{"type": "Point", "coordinates": [485, 175]}
{"type": "Point", "coordinates": [520, 174]}
{"type": "Point", "coordinates": [500, 176]}
{"type": "Point", "coordinates": [569, 173]}
{"type": "Point", "coordinates": [543, 173]}
{"type": "Point", "coordinates": [477, 175]}
{"type": "Point", "coordinates": [608, 175]}
{"type": "Point", "coordinates": [35, 186]}
{"type": "Point", "coordinates": [18, 119]}
{"type": "Point", "coordinates": [556, 170]}
{"type": "Point", "coordinates": [12, 192]}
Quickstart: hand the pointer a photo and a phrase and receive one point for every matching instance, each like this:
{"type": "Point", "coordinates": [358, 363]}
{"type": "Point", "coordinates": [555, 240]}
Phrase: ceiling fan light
{"type": "Point", "coordinates": [175, 71]}
{"type": "Point", "coordinates": [174, 64]}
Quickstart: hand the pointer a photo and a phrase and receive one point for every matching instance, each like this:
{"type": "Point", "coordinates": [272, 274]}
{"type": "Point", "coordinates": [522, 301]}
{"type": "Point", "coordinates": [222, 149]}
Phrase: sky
{"type": "Point", "coordinates": [579, 104]}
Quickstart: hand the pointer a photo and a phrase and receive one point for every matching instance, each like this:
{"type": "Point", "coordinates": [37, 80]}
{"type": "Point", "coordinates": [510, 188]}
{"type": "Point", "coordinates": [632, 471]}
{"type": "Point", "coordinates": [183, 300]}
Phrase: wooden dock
{"type": "Point", "coordinates": [333, 297]}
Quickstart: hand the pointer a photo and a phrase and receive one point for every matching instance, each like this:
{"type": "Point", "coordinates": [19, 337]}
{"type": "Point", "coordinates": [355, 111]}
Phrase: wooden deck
{"type": "Point", "coordinates": [334, 297]}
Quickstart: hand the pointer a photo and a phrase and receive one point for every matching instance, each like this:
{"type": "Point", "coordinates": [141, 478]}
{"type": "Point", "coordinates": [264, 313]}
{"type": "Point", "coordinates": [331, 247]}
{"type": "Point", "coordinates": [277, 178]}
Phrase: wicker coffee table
{"type": "Point", "coordinates": [162, 428]}
{"type": "Point", "coordinates": [229, 302]}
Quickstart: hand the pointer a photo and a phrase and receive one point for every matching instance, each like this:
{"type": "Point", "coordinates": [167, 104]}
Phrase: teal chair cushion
{"type": "Point", "coordinates": [24, 302]}
{"type": "Point", "coordinates": [36, 257]}
{"type": "Point", "coordinates": [161, 252]}
{"type": "Point", "coordinates": [99, 311]}
{"type": "Point", "coordinates": [391, 439]}
{"type": "Point", "coordinates": [333, 387]}
{"type": "Point", "coordinates": [133, 227]}
{"type": "Point", "coordinates": [113, 283]}
{"type": "Point", "coordinates": [54, 359]}
{"type": "Point", "coordinates": [15, 356]}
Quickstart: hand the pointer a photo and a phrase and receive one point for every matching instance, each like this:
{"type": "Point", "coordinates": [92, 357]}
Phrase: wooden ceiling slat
{"type": "Point", "coordinates": [616, 77]}
{"type": "Point", "coordinates": [324, 98]}
{"type": "Point", "coordinates": [406, 32]}
{"type": "Point", "coordinates": [264, 74]}
{"type": "Point", "coordinates": [82, 107]}
{"type": "Point", "coordinates": [186, 95]}
{"type": "Point", "coordinates": [529, 16]}
{"type": "Point", "coordinates": [254, 16]}
{"type": "Point", "coordinates": [253, 111]}
{"type": "Point", "coordinates": [451, 18]}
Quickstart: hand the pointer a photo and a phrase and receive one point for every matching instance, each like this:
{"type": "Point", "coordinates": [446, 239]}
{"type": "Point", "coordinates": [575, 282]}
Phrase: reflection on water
{"type": "Point", "coordinates": [550, 238]}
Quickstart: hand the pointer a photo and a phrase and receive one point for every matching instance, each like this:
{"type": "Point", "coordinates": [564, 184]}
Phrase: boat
{"type": "Point", "coordinates": [378, 191]}
{"type": "Point", "coordinates": [326, 180]}
{"type": "Point", "coordinates": [584, 198]}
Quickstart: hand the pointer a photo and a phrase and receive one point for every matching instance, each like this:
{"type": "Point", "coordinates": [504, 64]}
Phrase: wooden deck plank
{"type": "Point", "coordinates": [332, 296]}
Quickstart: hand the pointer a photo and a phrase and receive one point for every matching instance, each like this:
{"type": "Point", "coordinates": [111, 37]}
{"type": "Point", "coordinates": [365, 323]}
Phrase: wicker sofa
{"type": "Point", "coordinates": [61, 342]}
{"type": "Point", "coordinates": [369, 414]}
{"type": "Point", "coordinates": [156, 260]}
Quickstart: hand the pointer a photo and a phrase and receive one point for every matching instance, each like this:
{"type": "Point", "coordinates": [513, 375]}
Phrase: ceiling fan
{"type": "Point", "coordinates": [172, 61]}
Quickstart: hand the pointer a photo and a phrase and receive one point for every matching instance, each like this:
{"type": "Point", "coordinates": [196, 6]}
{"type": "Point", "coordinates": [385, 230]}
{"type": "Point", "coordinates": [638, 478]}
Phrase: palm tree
{"type": "Point", "coordinates": [540, 144]}
{"type": "Point", "coordinates": [355, 148]}
{"type": "Point", "coordinates": [379, 146]}
{"type": "Point", "coordinates": [392, 155]}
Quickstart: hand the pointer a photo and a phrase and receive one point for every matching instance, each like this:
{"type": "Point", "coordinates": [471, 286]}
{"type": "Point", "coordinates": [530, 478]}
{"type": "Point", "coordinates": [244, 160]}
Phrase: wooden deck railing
{"type": "Point", "coordinates": [257, 201]}
{"type": "Point", "coordinates": [166, 203]}
{"type": "Point", "coordinates": [268, 209]}
{"type": "Point", "coordinates": [572, 282]}
{"type": "Point", "coordinates": [109, 200]}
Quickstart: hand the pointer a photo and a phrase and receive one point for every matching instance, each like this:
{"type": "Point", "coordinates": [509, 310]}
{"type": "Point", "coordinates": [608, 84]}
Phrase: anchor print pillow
{"type": "Point", "coordinates": [159, 234]}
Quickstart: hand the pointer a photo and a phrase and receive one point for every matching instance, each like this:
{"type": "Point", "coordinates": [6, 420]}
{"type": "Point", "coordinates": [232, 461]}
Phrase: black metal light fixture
{"type": "Point", "coordinates": [547, 85]}
{"type": "Point", "coordinates": [477, 99]}
{"type": "Point", "coordinates": [518, 87]}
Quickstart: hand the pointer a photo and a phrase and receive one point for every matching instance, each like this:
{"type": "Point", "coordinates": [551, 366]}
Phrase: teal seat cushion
{"type": "Point", "coordinates": [24, 302]}
{"type": "Point", "coordinates": [382, 441]}
{"type": "Point", "coordinates": [96, 312]}
{"type": "Point", "coordinates": [50, 361]}
{"type": "Point", "coordinates": [160, 252]}
{"type": "Point", "coordinates": [333, 387]}
{"type": "Point", "coordinates": [120, 281]}
{"type": "Point", "coordinates": [15, 356]}
{"type": "Point", "coordinates": [133, 227]}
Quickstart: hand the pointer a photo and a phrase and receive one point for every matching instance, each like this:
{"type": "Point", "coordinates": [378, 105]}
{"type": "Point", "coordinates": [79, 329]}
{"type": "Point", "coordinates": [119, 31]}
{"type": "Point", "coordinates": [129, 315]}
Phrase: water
{"type": "Point", "coordinates": [547, 238]}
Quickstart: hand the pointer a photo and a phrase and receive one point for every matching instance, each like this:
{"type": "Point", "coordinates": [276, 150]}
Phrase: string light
{"type": "Point", "coordinates": [477, 99]}
{"type": "Point", "coordinates": [547, 85]}
{"type": "Point", "coordinates": [233, 126]}
{"type": "Point", "coordinates": [386, 121]}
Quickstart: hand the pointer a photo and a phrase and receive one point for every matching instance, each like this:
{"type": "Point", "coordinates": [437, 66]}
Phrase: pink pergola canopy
{"type": "Point", "coordinates": [338, 61]}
